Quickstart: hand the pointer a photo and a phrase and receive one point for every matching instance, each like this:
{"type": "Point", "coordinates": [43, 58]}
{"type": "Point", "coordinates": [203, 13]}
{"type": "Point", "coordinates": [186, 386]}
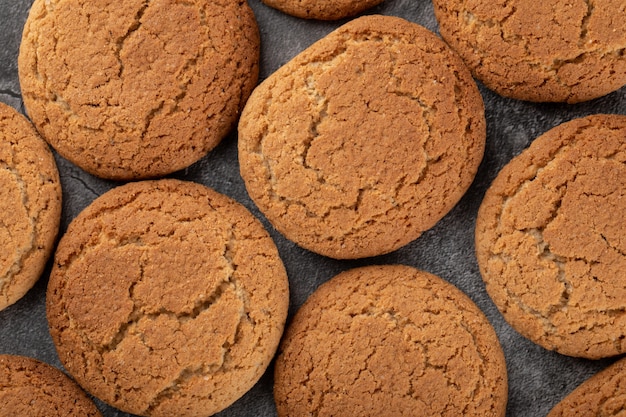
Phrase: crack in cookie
{"type": "Point", "coordinates": [364, 140]}
{"type": "Point", "coordinates": [548, 238]}
{"type": "Point", "coordinates": [139, 89]}
{"type": "Point", "coordinates": [30, 205]}
{"type": "Point", "coordinates": [389, 340]}
{"type": "Point", "coordinates": [559, 51]}
{"type": "Point", "coordinates": [166, 298]}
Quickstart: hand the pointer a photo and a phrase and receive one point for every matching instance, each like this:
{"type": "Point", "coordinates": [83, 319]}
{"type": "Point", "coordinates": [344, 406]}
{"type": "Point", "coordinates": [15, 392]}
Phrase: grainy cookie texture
{"type": "Point", "coordinates": [390, 341]}
{"type": "Point", "coordinates": [364, 140]}
{"type": "Point", "coordinates": [30, 388]}
{"type": "Point", "coordinates": [322, 9]}
{"type": "Point", "coordinates": [550, 238]}
{"type": "Point", "coordinates": [166, 299]}
{"type": "Point", "coordinates": [138, 88]}
{"type": "Point", "coordinates": [547, 51]}
{"type": "Point", "coordinates": [30, 205]}
{"type": "Point", "coordinates": [602, 395]}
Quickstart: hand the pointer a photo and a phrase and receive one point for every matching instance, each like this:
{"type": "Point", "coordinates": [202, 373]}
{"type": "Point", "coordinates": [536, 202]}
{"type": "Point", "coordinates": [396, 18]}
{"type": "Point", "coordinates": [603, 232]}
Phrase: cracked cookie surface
{"type": "Point", "coordinates": [550, 238]}
{"type": "Point", "coordinates": [602, 395]}
{"type": "Point", "coordinates": [390, 340]}
{"type": "Point", "coordinates": [166, 298]}
{"type": "Point", "coordinates": [139, 88]}
{"type": "Point", "coordinates": [364, 140]}
{"type": "Point", "coordinates": [30, 205]}
{"type": "Point", "coordinates": [550, 51]}
{"type": "Point", "coordinates": [29, 387]}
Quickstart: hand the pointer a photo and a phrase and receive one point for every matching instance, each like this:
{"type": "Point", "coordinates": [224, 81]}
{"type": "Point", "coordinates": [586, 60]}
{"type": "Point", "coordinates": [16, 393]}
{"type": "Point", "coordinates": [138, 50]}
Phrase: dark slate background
{"type": "Point", "coordinates": [538, 378]}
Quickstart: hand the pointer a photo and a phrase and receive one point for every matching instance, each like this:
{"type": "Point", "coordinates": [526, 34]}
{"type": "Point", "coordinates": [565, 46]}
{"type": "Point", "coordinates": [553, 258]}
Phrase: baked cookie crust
{"type": "Point", "coordinates": [601, 395]}
{"type": "Point", "coordinates": [322, 9]}
{"type": "Point", "coordinates": [139, 88]}
{"type": "Point", "coordinates": [364, 140]}
{"type": "Point", "coordinates": [29, 387]}
{"type": "Point", "coordinates": [550, 238]}
{"type": "Point", "coordinates": [166, 298]}
{"type": "Point", "coordinates": [544, 51]}
{"type": "Point", "coordinates": [30, 205]}
{"type": "Point", "coordinates": [390, 341]}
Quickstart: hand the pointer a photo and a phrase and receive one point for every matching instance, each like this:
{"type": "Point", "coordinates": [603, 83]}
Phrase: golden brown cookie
{"type": "Point", "coordinates": [322, 9]}
{"type": "Point", "coordinates": [546, 51]}
{"type": "Point", "coordinates": [390, 341]}
{"type": "Point", "coordinates": [364, 140]}
{"type": "Point", "coordinates": [166, 299]}
{"type": "Point", "coordinates": [550, 238]}
{"type": "Point", "coordinates": [30, 388]}
{"type": "Point", "coordinates": [602, 395]}
{"type": "Point", "coordinates": [30, 205]}
{"type": "Point", "coordinates": [138, 88]}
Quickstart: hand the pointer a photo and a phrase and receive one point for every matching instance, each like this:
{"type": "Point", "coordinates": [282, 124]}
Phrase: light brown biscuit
{"type": "Point", "coordinates": [322, 9]}
{"type": "Point", "coordinates": [545, 51]}
{"type": "Point", "coordinates": [138, 88]}
{"type": "Point", "coordinates": [166, 299]}
{"type": "Point", "coordinates": [364, 140]}
{"type": "Point", "coordinates": [30, 205]}
{"type": "Point", "coordinates": [390, 341]}
{"type": "Point", "coordinates": [602, 395]}
{"type": "Point", "coordinates": [30, 388]}
{"type": "Point", "coordinates": [550, 238]}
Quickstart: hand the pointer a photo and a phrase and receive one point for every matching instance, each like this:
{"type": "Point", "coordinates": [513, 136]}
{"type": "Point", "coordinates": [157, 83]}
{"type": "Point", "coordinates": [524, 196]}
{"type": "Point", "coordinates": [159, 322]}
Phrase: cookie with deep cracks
{"type": "Point", "coordinates": [30, 205]}
{"type": "Point", "coordinates": [166, 298]}
{"type": "Point", "coordinates": [550, 238]}
{"type": "Point", "coordinates": [390, 340]}
{"type": "Point", "coordinates": [364, 140]}
{"type": "Point", "coordinates": [546, 51]}
{"type": "Point", "coordinates": [140, 88]}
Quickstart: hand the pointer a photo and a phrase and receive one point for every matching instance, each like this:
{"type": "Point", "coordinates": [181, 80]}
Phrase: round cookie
{"type": "Point", "coordinates": [550, 51]}
{"type": "Point", "coordinates": [550, 238]}
{"type": "Point", "coordinates": [32, 388]}
{"type": "Point", "coordinates": [322, 10]}
{"type": "Point", "coordinates": [364, 140]}
{"type": "Point", "coordinates": [30, 205]}
{"type": "Point", "coordinates": [139, 88]}
{"type": "Point", "coordinates": [604, 394]}
{"type": "Point", "coordinates": [166, 298]}
{"type": "Point", "coordinates": [389, 340]}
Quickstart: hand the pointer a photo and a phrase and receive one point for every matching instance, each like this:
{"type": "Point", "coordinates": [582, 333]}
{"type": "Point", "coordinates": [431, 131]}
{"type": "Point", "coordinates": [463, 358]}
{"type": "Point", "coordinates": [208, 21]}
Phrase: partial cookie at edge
{"type": "Point", "coordinates": [30, 205]}
{"type": "Point", "coordinates": [603, 394]}
{"type": "Point", "coordinates": [389, 340]}
{"type": "Point", "coordinates": [552, 51]}
{"type": "Point", "coordinates": [29, 387]}
{"type": "Point", "coordinates": [322, 9]}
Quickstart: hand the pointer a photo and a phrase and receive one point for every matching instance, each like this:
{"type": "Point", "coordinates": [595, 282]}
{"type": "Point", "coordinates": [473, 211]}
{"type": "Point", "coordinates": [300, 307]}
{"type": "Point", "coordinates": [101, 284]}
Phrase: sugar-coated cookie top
{"type": "Point", "coordinates": [547, 51]}
{"type": "Point", "coordinates": [364, 140]}
{"type": "Point", "coordinates": [137, 88]}
{"type": "Point", "coordinates": [166, 299]}
{"type": "Point", "coordinates": [30, 205]}
{"type": "Point", "coordinates": [550, 238]}
{"type": "Point", "coordinates": [390, 341]}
